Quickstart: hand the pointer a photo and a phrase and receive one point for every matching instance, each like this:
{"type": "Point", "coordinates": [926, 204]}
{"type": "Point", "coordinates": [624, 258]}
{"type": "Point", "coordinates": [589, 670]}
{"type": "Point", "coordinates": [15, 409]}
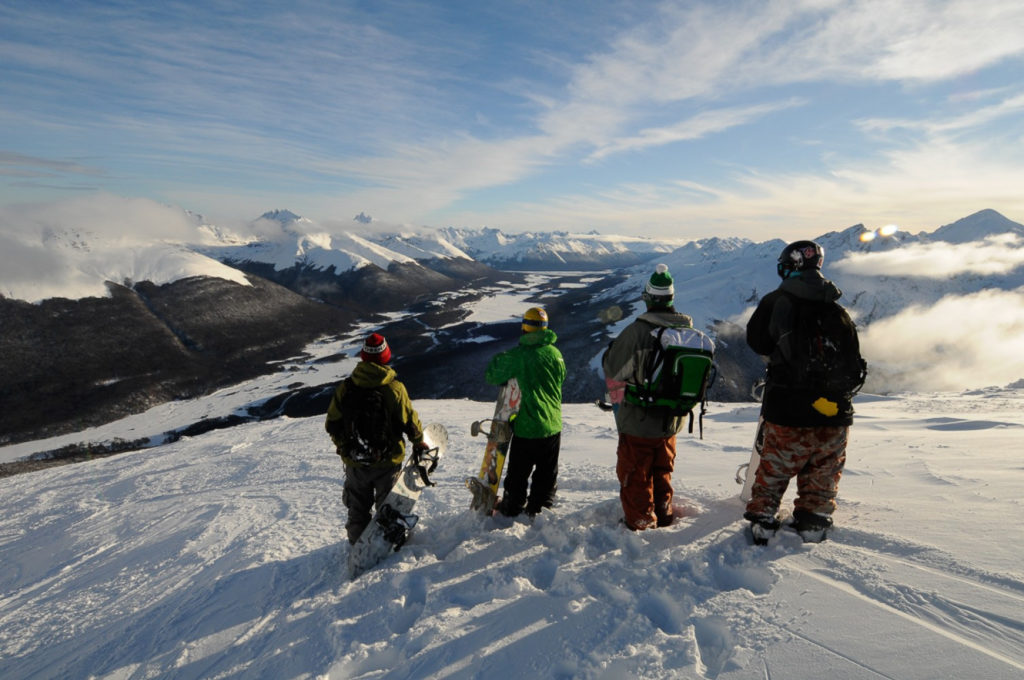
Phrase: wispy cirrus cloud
{"type": "Point", "coordinates": [698, 126]}
{"type": "Point", "coordinates": [427, 112]}
{"type": "Point", "coordinates": [22, 165]}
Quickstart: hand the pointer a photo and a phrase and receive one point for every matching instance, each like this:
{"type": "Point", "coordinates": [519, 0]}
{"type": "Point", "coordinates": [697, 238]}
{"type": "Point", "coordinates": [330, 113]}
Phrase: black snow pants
{"type": "Point", "coordinates": [538, 457]}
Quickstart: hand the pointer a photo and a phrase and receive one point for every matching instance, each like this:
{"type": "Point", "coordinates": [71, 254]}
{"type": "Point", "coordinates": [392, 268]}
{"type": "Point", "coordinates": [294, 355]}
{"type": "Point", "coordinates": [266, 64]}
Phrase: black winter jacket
{"type": "Point", "coordinates": [769, 333]}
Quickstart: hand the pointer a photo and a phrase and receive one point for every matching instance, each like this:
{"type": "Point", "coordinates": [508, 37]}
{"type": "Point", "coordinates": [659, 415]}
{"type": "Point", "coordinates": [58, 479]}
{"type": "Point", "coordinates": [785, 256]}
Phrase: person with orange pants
{"type": "Point", "coordinates": [647, 435]}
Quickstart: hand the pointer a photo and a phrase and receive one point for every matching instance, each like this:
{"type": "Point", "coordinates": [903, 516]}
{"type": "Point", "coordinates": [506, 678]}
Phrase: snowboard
{"type": "Point", "coordinates": [746, 473]}
{"type": "Point", "coordinates": [484, 486]}
{"type": "Point", "coordinates": [393, 521]}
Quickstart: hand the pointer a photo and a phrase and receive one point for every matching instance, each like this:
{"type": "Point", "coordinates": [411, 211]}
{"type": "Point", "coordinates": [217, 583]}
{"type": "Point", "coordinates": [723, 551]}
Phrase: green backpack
{"type": "Point", "coordinates": [677, 374]}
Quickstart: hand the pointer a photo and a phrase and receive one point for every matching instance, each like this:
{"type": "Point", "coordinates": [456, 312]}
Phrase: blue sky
{"type": "Point", "coordinates": [759, 119]}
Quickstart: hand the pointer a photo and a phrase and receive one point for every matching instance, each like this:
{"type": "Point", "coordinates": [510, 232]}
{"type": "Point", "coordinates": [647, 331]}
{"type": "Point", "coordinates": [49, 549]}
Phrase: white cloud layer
{"type": "Point", "coordinates": [994, 255]}
{"type": "Point", "coordinates": [962, 341]}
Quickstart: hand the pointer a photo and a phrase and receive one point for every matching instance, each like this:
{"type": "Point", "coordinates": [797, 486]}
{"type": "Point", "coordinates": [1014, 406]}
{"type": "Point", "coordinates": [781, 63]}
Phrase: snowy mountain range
{"type": "Point", "coordinates": [103, 321]}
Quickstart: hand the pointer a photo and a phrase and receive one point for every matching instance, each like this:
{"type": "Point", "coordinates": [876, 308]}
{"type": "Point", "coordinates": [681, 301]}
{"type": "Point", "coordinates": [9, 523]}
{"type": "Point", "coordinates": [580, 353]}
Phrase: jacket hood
{"type": "Point", "coordinates": [372, 374]}
{"type": "Point", "coordinates": [536, 338]}
{"type": "Point", "coordinates": [670, 319]}
{"type": "Point", "coordinates": [811, 285]}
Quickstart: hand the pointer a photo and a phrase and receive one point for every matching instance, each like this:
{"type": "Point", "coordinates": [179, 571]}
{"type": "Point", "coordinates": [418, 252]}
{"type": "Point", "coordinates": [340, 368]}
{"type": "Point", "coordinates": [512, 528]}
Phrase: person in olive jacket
{"type": "Point", "coordinates": [538, 367]}
{"type": "Point", "coordinates": [367, 482]}
{"type": "Point", "coordinates": [646, 452]}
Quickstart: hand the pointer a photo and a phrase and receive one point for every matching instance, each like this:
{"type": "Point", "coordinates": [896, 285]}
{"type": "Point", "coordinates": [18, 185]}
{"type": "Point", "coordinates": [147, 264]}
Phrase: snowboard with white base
{"type": "Point", "coordinates": [746, 473]}
{"type": "Point", "coordinates": [393, 521]}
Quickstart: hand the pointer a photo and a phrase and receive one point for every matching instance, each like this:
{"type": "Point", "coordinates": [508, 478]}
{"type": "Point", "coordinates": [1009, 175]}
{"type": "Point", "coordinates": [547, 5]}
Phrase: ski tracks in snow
{"type": "Point", "coordinates": [991, 625]}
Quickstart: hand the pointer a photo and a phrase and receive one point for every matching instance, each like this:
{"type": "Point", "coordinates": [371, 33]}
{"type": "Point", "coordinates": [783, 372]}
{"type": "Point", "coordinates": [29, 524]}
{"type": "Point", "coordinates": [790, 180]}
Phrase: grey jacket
{"type": "Point", "coordinates": [623, 363]}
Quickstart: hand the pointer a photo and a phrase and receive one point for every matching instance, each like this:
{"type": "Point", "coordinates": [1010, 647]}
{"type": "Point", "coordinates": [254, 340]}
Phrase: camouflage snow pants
{"type": "Point", "coordinates": [814, 455]}
{"type": "Point", "coordinates": [645, 480]}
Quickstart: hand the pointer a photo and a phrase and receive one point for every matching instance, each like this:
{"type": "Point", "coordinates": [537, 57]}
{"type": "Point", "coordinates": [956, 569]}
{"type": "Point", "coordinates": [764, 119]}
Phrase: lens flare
{"type": "Point", "coordinates": [868, 236]}
{"type": "Point", "coordinates": [888, 230]}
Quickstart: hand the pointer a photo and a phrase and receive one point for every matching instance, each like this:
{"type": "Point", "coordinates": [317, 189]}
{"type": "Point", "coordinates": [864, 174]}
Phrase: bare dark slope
{"type": "Point", "coordinates": [71, 364]}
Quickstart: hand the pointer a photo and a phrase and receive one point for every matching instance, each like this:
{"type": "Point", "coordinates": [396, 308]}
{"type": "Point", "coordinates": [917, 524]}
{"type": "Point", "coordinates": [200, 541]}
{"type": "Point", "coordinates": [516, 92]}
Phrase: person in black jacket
{"type": "Point", "coordinates": [806, 416]}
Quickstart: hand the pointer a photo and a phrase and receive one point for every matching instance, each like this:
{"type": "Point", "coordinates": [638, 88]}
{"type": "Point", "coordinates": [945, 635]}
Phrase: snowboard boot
{"type": "Point", "coordinates": [762, 527]}
{"type": "Point", "coordinates": [812, 527]}
{"type": "Point", "coordinates": [507, 508]}
{"type": "Point", "coordinates": [396, 525]}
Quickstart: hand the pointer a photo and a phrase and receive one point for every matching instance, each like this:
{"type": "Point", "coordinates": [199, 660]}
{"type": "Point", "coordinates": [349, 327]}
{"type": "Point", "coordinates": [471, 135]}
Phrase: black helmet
{"type": "Point", "coordinates": [800, 256]}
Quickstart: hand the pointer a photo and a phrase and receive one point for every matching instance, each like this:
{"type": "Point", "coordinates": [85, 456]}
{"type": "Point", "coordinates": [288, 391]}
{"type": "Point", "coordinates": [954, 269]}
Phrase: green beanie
{"type": "Point", "coordinates": [659, 291]}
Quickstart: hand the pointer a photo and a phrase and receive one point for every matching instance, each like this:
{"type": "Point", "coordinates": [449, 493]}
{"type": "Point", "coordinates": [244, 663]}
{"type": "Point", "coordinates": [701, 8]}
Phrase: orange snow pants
{"type": "Point", "coordinates": [645, 480]}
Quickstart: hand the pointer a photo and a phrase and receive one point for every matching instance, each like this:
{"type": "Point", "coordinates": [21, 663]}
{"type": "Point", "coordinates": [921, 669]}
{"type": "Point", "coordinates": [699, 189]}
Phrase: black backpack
{"type": "Point", "coordinates": [825, 350]}
{"type": "Point", "coordinates": [364, 429]}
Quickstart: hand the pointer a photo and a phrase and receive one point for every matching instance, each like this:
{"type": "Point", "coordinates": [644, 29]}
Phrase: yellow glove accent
{"type": "Point", "coordinates": [826, 407]}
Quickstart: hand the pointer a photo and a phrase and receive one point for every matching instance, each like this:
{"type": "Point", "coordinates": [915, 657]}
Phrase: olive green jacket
{"type": "Point", "coordinates": [403, 416]}
{"type": "Point", "coordinates": [538, 367]}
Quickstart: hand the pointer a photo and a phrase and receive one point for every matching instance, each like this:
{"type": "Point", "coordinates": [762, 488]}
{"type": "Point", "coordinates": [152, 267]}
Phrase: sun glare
{"type": "Point", "coordinates": [886, 231]}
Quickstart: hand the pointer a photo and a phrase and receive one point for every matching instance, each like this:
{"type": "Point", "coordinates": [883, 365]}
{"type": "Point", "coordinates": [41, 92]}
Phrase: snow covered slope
{"type": "Point", "coordinates": [221, 556]}
{"type": "Point", "coordinates": [76, 264]}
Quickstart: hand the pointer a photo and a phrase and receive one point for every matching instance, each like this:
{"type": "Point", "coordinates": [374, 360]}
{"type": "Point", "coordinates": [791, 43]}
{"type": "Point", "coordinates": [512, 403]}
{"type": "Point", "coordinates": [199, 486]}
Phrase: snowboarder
{"type": "Point", "coordinates": [538, 367]}
{"type": "Point", "coordinates": [647, 435]}
{"type": "Point", "coordinates": [367, 416]}
{"type": "Point", "coordinates": [807, 406]}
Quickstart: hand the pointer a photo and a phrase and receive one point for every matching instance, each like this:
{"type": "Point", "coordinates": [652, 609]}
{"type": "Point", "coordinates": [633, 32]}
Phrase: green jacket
{"type": "Point", "coordinates": [538, 367]}
{"type": "Point", "coordinates": [404, 416]}
{"type": "Point", "coordinates": [623, 364]}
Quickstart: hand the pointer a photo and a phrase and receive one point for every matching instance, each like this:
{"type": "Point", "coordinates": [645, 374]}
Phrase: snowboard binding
{"type": "Point", "coordinates": [396, 526]}
{"type": "Point", "coordinates": [425, 462]}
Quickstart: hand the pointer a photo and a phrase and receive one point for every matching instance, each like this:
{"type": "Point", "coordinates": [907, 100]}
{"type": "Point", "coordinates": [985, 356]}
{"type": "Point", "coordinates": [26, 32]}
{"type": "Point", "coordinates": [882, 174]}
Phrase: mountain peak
{"type": "Point", "coordinates": [975, 227]}
{"type": "Point", "coordinates": [284, 217]}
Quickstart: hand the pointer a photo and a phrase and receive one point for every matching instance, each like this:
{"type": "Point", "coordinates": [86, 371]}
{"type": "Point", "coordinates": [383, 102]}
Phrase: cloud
{"type": "Point", "coordinates": [387, 114]}
{"type": "Point", "coordinates": [688, 55]}
{"type": "Point", "coordinates": [698, 126]}
{"type": "Point", "coordinates": [994, 255]}
{"type": "Point", "coordinates": [1011, 106]}
{"type": "Point", "coordinates": [114, 219]}
{"type": "Point", "coordinates": [22, 165]}
{"type": "Point", "coordinates": [960, 342]}
{"type": "Point", "coordinates": [22, 261]}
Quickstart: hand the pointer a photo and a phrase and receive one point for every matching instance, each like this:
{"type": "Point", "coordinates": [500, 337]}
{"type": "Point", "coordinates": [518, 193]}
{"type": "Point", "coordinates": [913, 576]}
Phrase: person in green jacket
{"type": "Point", "coordinates": [538, 367]}
{"type": "Point", "coordinates": [371, 395]}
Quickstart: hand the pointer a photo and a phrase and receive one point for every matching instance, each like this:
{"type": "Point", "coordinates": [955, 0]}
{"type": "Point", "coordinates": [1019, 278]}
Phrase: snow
{"type": "Point", "coordinates": [77, 273]}
{"type": "Point", "coordinates": [504, 301]}
{"type": "Point", "coordinates": [222, 556]}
